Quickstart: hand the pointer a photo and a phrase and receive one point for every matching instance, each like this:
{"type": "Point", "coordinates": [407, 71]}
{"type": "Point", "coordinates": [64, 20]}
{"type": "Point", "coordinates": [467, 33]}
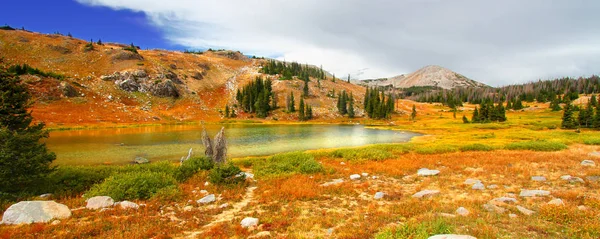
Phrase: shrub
{"type": "Point", "coordinates": [476, 147]}
{"type": "Point", "coordinates": [226, 174]}
{"type": "Point", "coordinates": [537, 146]}
{"type": "Point", "coordinates": [192, 166]}
{"type": "Point", "coordinates": [134, 185]}
{"type": "Point", "coordinates": [171, 193]}
{"type": "Point", "coordinates": [71, 181]}
{"type": "Point", "coordinates": [131, 48]}
{"type": "Point", "coordinates": [357, 154]}
{"type": "Point", "coordinates": [418, 230]}
{"type": "Point", "coordinates": [287, 163]}
{"type": "Point", "coordinates": [592, 141]}
{"type": "Point", "coordinates": [435, 149]}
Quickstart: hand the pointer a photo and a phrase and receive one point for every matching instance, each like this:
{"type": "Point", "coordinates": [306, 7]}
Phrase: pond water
{"type": "Point", "coordinates": [171, 142]}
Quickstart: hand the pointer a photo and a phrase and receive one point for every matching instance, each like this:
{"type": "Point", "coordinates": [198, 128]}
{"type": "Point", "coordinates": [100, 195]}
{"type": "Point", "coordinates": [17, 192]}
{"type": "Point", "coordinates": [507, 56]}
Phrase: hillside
{"type": "Point", "coordinates": [108, 84]}
{"type": "Point", "coordinates": [435, 76]}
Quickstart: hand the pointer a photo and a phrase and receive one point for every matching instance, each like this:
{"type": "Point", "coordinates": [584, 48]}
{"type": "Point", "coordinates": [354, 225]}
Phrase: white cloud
{"type": "Point", "coordinates": [496, 42]}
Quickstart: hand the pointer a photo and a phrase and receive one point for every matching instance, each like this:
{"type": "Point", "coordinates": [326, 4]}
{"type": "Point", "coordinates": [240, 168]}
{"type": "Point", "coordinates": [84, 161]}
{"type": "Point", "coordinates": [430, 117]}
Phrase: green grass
{"type": "Point", "coordinates": [371, 152]}
{"type": "Point", "coordinates": [286, 164]}
{"type": "Point", "coordinates": [595, 141]}
{"type": "Point", "coordinates": [435, 149]}
{"type": "Point", "coordinates": [135, 185]}
{"type": "Point", "coordinates": [476, 147]}
{"type": "Point", "coordinates": [537, 146]}
{"type": "Point", "coordinates": [416, 230]}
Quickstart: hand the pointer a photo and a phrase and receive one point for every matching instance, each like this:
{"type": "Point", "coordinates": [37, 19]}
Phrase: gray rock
{"type": "Point", "coordinates": [525, 211]}
{"type": "Point", "coordinates": [451, 236]}
{"type": "Point", "coordinates": [67, 89]}
{"type": "Point", "coordinates": [505, 200]}
{"type": "Point", "coordinates": [27, 212]}
{"type": "Point", "coordinates": [164, 89]}
{"type": "Point", "coordinates": [249, 222]}
{"type": "Point", "coordinates": [478, 186]}
{"type": "Point", "coordinates": [379, 195]}
{"type": "Point", "coordinates": [427, 172]}
{"type": "Point", "coordinates": [249, 175]}
{"type": "Point", "coordinates": [594, 154]}
{"type": "Point", "coordinates": [534, 193]}
{"type": "Point", "coordinates": [99, 202]}
{"type": "Point", "coordinates": [207, 199]}
{"type": "Point", "coordinates": [224, 205]}
{"type": "Point", "coordinates": [462, 211]}
{"type": "Point", "coordinates": [333, 182]}
{"type": "Point", "coordinates": [426, 193]}
{"type": "Point", "coordinates": [556, 202]}
{"type": "Point", "coordinates": [493, 186]}
{"type": "Point", "coordinates": [141, 160]}
{"type": "Point", "coordinates": [493, 208]}
{"type": "Point", "coordinates": [538, 178]}
{"type": "Point", "coordinates": [588, 163]}
{"type": "Point", "coordinates": [127, 205]}
{"type": "Point", "coordinates": [355, 177]}
{"type": "Point", "coordinates": [472, 181]}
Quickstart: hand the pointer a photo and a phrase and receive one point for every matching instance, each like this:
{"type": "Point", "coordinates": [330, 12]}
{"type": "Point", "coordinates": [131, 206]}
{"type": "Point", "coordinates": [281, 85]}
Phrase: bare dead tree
{"type": "Point", "coordinates": [220, 147]}
{"type": "Point", "coordinates": [208, 146]}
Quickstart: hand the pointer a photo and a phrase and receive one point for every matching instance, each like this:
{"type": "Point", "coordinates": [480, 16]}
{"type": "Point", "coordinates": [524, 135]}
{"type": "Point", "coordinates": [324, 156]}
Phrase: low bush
{"type": "Point", "coordinates": [435, 149]}
{"type": "Point", "coordinates": [226, 174]}
{"type": "Point", "coordinates": [592, 141]}
{"type": "Point", "coordinates": [476, 147]}
{"type": "Point", "coordinates": [26, 69]}
{"type": "Point", "coordinates": [538, 145]}
{"type": "Point", "coordinates": [359, 154]}
{"type": "Point", "coordinates": [417, 230]}
{"type": "Point", "coordinates": [134, 185]}
{"type": "Point", "coordinates": [286, 164]}
{"type": "Point", "coordinates": [192, 166]}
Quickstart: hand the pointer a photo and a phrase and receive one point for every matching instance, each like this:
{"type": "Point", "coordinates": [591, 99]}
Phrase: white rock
{"type": "Point", "coordinates": [427, 172]}
{"type": "Point", "coordinates": [127, 205]}
{"type": "Point", "coordinates": [354, 176]}
{"type": "Point", "coordinates": [525, 211]}
{"type": "Point", "coordinates": [512, 215]}
{"type": "Point", "coordinates": [188, 208]}
{"type": "Point", "coordinates": [374, 177]}
{"type": "Point", "coordinates": [249, 222]}
{"type": "Point", "coordinates": [565, 177]}
{"type": "Point", "coordinates": [333, 182]}
{"type": "Point", "coordinates": [478, 186]}
{"type": "Point", "coordinates": [533, 193]}
{"type": "Point", "coordinates": [55, 222]}
{"type": "Point", "coordinates": [462, 211]}
{"type": "Point", "coordinates": [27, 212]}
{"type": "Point", "coordinates": [538, 178]}
{"type": "Point", "coordinates": [426, 193]}
{"type": "Point", "coordinates": [493, 186]}
{"type": "Point", "coordinates": [472, 181]}
{"type": "Point", "coordinates": [588, 163]}
{"type": "Point", "coordinates": [224, 205]}
{"type": "Point", "coordinates": [207, 199]}
{"type": "Point", "coordinates": [98, 202]}
{"type": "Point", "coordinates": [249, 175]}
{"type": "Point", "coordinates": [594, 154]}
{"type": "Point", "coordinates": [556, 202]}
{"type": "Point", "coordinates": [581, 208]}
{"type": "Point", "coordinates": [379, 195]}
{"type": "Point", "coordinates": [451, 236]}
{"type": "Point", "coordinates": [342, 163]}
{"type": "Point", "coordinates": [203, 191]}
{"type": "Point", "coordinates": [106, 209]}
{"type": "Point", "coordinates": [364, 174]}
{"type": "Point", "coordinates": [46, 196]}
{"type": "Point", "coordinates": [206, 183]}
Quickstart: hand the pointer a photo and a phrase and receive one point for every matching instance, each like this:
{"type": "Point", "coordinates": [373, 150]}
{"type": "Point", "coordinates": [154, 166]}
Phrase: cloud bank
{"type": "Point", "coordinates": [495, 42]}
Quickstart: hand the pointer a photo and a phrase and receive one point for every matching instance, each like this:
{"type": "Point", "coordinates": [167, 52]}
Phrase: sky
{"type": "Point", "coordinates": [494, 42]}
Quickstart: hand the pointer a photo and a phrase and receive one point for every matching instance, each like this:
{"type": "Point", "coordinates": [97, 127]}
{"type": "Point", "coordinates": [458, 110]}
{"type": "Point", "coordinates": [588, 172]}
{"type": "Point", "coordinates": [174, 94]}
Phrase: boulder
{"type": "Point", "coordinates": [462, 211]}
{"type": "Point", "coordinates": [534, 193]}
{"type": "Point", "coordinates": [427, 172]}
{"type": "Point", "coordinates": [249, 222]}
{"type": "Point", "coordinates": [27, 212]}
{"type": "Point", "coordinates": [588, 163]}
{"type": "Point", "coordinates": [556, 202]}
{"type": "Point", "coordinates": [208, 199]}
{"type": "Point", "coordinates": [525, 211]}
{"type": "Point", "coordinates": [164, 89]}
{"type": "Point", "coordinates": [355, 177]}
{"type": "Point", "coordinates": [140, 160]}
{"type": "Point", "coordinates": [538, 178]}
{"type": "Point", "coordinates": [426, 193]}
{"type": "Point", "coordinates": [572, 179]}
{"type": "Point", "coordinates": [379, 195]}
{"type": "Point", "coordinates": [478, 186]}
{"type": "Point", "coordinates": [127, 205]}
{"type": "Point", "coordinates": [451, 236]}
{"type": "Point", "coordinates": [67, 89]}
{"type": "Point", "coordinates": [98, 202]}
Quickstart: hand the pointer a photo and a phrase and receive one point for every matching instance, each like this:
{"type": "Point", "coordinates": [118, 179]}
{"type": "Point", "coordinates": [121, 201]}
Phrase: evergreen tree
{"type": "Point", "coordinates": [351, 107]}
{"type": "Point", "coordinates": [301, 115]}
{"type": "Point", "coordinates": [555, 105]}
{"type": "Point", "coordinates": [568, 122]}
{"type": "Point", "coordinates": [274, 105]}
{"type": "Point", "coordinates": [475, 117]}
{"type": "Point", "coordinates": [594, 101]}
{"type": "Point", "coordinates": [509, 104]}
{"type": "Point", "coordinates": [24, 158]}
{"type": "Point", "coordinates": [255, 97]}
{"type": "Point", "coordinates": [308, 112]}
{"type": "Point", "coordinates": [226, 111]}
{"type": "Point", "coordinates": [305, 89]}
{"type": "Point", "coordinates": [348, 78]}
{"type": "Point", "coordinates": [291, 107]}
{"type": "Point", "coordinates": [413, 115]}
{"type": "Point", "coordinates": [333, 79]}
{"type": "Point", "coordinates": [465, 120]}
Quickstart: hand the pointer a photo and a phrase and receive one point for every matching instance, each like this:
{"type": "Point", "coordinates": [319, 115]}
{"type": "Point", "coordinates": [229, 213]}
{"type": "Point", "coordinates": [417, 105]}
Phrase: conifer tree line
{"type": "Point", "coordinates": [588, 116]}
{"type": "Point", "coordinates": [290, 102]}
{"type": "Point", "coordinates": [256, 97]}
{"type": "Point", "coordinates": [377, 105]}
{"type": "Point", "coordinates": [289, 70]}
{"type": "Point", "coordinates": [304, 111]}
{"type": "Point", "coordinates": [541, 91]}
{"type": "Point", "coordinates": [488, 112]}
{"type": "Point", "coordinates": [345, 104]}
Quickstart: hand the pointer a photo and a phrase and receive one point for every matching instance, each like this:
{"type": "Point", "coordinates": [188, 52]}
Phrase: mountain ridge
{"type": "Point", "coordinates": [431, 75]}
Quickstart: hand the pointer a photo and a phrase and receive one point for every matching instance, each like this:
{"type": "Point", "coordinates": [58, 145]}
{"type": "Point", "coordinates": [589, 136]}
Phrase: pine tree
{"type": "Point", "coordinates": [291, 103]}
{"type": "Point", "coordinates": [413, 115]}
{"type": "Point", "coordinates": [301, 115]}
{"type": "Point", "coordinates": [333, 79]}
{"type": "Point", "coordinates": [308, 112]}
{"type": "Point", "coordinates": [348, 78]}
{"type": "Point", "coordinates": [555, 105]}
{"type": "Point", "coordinates": [509, 104]}
{"type": "Point", "coordinates": [594, 101]}
{"type": "Point", "coordinates": [274, 105]}
{"type": "Point", "coordinates": [465, 120]}
{"type": "Point", "coordinates": [475, 117]}
{"type": "Point", "coordinates": [568, 122]}
{"type": "Point", "coordinates": [226, 111]}
{"type": "Point", "coordinates": [351, 107]}
{"type": "Point", "coordinates": [305, 89]}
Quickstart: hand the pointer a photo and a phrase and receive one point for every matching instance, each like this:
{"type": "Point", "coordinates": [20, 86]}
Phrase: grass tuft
{"type": "Point", "coordinates": [537, 146]}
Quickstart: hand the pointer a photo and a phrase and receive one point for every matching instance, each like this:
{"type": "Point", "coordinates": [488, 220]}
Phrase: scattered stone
{"type": "Point", "coordinates": [55, 222]}
{"type": "Point", "coordinates": [427, 172]}
{"type": "Point", "coordinates": [67, 89]}
{"type": "Point", "coordinates": [206, 183]}
{"type": "Point", "coordinates": [525, 211]}
{"type": "Point", "coordinates": [188, 208]}
{"type": "Point", "coordinates": [46, 196]}
{"type": "Point", "coordinates": [538, 178]}
{"type": "Point", "coordinates": [534, 193]}
{"type": "Point", "coordinates": [512, 215]}
{"type": "Point", "coordinates": [588, 163]}
{"type": "Point", "coordinates": [472, 181]}
{"type": "Point", "coordinates": [249, 175]}
{"type": "Point", "coordinates": [478, 186]}
{"type": "Point", "coordinates": [374, 177]}
{"type": "Point", "coordinates": [451, 236]}
{"type": "Point", "coordinates": [493, 208]}
{"type": "Point", "coordinates": [426, 193]}
{"type": "Point", "coordinates": [333, 182]}
{"type": "Point", "coordinates": [379, 195]}
{"type": "Point", "coordinates": [27, 212]}
{"type": "Point", "coordinates": [556, 202]}
{"type": "Point", "coordinates": [342, 163]}
{"type": "Point", "coordinates": [224, 205]}
{"type": "Point", "coordinates": [249, 222]}
{"type": "Point", "coordinates": [140, 160]}
{"type": "Point", "coordinates": [208, 199]}
{"type": "Point", "coordinates": [127, 205]}
{"type": "Point", "coordinates": [581, 208]}
{"type": "Point", "coordinates": [354, 176]}
{"type": "Point", "coordinates": [594, 154]}
{"type": "Point", "coordinates": [99, 202]}
{"type": "Point", "coordinates": [493, 186]}
{"type": "Point", "coordinates": [364, 174]}
{"type": "Point", "coordinates": [203, 191]}
{"type": "Point", "coordinates": [505, 200]}
{"type": "Point", "coordinates": [462, 211]}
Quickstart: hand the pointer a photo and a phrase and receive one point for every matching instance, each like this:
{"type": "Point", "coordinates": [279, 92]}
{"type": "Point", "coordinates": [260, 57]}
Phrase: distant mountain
{"type": "Point", "coordinates": [435, 76]}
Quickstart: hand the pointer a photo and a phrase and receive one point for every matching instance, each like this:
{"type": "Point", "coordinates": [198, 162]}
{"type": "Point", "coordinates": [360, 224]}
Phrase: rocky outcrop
{"type": "Point", "coordinates": [27, 212]}
{"type": "Point", "coordinates": [126, 55]}
{"type": "Point", "coordinates": [139, 81]}
{"type": "Point", "coordinates": [164, 89]}
{"type": "Point", "coordinates": [67, 89]}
